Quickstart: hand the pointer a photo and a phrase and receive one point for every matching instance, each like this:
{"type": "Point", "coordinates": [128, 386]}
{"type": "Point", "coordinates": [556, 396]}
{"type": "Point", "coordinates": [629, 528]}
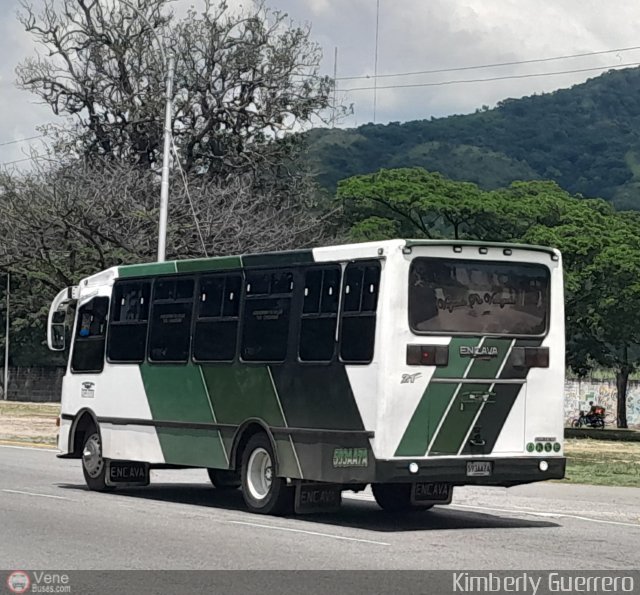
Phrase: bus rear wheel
{"type": "Point", "coordinates": [395, 497]}
{"type": "Point", "coordinates": [94, 467]}
{"type": "Point", "coordinates": [262, 491]}
{"type": "Point", "coordinates": [224, 479]}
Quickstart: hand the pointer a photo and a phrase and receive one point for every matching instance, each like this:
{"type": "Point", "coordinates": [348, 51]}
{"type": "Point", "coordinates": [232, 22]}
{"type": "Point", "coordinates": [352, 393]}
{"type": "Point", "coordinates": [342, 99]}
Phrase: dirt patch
{"type": "Point", "coordinates": [28, 422]}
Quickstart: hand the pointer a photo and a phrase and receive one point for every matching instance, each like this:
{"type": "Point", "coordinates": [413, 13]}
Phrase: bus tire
{"type": "Point", "coordinates": [94, 467]}
{"type": "Point", "coordinates": [262, 490]}
{"type": "Point", "coordinates": [224, 479]}
{"type": "Point", "coordinates": [395, 497]}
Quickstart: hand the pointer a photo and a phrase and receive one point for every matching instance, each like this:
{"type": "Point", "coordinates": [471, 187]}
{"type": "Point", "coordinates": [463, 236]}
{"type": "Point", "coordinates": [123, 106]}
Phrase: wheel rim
{"type": "Point", "coordinates": [259, 474]}
{"type": "Point", "coordinates": [92, 456]}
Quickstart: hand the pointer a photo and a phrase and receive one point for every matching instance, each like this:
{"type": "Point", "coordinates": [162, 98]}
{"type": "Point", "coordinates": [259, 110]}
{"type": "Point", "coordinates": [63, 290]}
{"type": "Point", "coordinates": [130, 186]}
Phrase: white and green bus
{"type": "Point", "coordinates": [412, 366]}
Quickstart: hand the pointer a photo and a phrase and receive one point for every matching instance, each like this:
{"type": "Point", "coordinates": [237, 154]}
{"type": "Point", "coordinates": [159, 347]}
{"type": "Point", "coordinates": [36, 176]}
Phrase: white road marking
{"type": "Point", "coordinates": [36, 494]}
{"type": "Point", "coordinates": [315, 533]}
{"type": "Point", "coordinates": [545, 514]}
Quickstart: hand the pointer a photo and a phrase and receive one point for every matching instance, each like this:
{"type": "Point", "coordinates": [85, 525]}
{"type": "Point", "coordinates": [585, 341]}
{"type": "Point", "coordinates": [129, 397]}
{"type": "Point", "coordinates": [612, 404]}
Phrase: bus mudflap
{"type": "Point", "coordinates": [127, 473]}
{"type": "Point", "coordinates": [317, 497]}
{"type": "Point", "coordinates": [430, 493]}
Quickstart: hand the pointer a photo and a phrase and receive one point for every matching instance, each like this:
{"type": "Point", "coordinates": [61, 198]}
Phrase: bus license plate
{"type": "Point", "coordinates": [479, 468]}
{"type": "Point", "coordinates": [431, 493]}
{"type": "Point", "coordinates": [127, 473]}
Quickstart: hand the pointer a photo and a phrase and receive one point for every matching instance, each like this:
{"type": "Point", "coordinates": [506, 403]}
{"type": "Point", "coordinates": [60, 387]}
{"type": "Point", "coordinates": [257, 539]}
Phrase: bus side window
{"type": "Point", "coordinates": [127, 341]}
{"type": "Point", "coordinates": [319, 314]}
{"type": "Point", "coordinates": [171, 311]}
{"type": "Point", "coordinates": [266, 314]}
{"type": "Point", "coordinates": [358, 321]}
{"type": "Point", "coordinates": [89, 340]}
{"type": "Point", "coordinates": [218, 312]}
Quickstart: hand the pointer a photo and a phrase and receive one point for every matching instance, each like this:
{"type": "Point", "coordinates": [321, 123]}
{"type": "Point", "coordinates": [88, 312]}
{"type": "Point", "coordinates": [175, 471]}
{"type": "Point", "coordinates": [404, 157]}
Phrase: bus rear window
{"type": "Point", "coordinates": [478, 297]}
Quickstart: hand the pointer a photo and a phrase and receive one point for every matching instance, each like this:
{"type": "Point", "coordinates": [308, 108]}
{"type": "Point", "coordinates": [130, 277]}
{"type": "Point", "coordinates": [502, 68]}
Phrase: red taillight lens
{"type": "Point", "coordinates": [427, 355]}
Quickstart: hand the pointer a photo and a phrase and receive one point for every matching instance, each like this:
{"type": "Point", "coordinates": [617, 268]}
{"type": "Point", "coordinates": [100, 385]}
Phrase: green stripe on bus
{"type": "Point", "coordinates": [458, 421]}
{"type": "Point", "coordinates": [143, 270]}
{"type": "Point", "coordinates": [177, 393]}
{"type": "Point", "coordinates": [494, 415]}
{"type": "Point", "coordinates": [464, 409]}
{"type": "Point", "coordinates": [196, 448]}
{"type": "Point", "coordinates": [239, 392]}
{"type": "Point", "coordinates": [434, 402]}
{"type": "Point", "coordinates": [425, 419]}
{"type": "Point", "coordinates": [222, 263]}
{"type": "Point", "coordinates": [488, 368]}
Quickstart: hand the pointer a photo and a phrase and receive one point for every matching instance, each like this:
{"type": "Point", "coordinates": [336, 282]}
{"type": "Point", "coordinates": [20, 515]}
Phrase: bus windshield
{"type": "Point", "coordinates": [478, 297]}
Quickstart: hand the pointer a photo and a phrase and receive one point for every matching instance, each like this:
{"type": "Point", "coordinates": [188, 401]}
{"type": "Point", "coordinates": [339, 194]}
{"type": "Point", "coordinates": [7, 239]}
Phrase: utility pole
{"type": "Point", "coordinates": [164, 186]}
{"type": "Point", "coordinates": [335, 84]}
{"type": "Point", "coordinates": [5, 392]}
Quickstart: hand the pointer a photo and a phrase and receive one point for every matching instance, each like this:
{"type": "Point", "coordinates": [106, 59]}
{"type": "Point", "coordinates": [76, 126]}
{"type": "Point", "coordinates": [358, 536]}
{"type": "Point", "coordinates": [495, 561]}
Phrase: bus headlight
{"type": "Point", "coordinates": [543, 465]}
{"type": "Point", "coordinates": [413, 468]}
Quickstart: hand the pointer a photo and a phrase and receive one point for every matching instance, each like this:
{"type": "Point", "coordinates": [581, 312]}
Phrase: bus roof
{"type": "Point", "coordinates": [298, 257]}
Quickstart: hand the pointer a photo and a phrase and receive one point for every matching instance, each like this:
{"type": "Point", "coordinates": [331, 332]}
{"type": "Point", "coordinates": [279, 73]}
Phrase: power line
{"type": "Point", "coordinates": [21, 140]}
{"type": "Point", "coordinates": [481, 66]}
{"type": "Point", "coordinates": [496, 78]}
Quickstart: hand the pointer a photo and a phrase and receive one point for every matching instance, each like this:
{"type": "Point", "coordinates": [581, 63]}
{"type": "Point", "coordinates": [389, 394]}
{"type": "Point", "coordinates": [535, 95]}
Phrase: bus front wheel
{"type": "Point", "coordinates": [263, 491]}
{"type": "Point", "coordinates": [94, 467]}
{"type": "Point", "coordinates": [395, 497]}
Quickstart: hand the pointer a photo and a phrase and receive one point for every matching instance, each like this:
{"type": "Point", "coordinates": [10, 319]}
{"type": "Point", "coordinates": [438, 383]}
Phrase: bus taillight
{"type": "Point", "coordinates": [427, 355]}
{"type": "Point", "coordinates": [530, 357]}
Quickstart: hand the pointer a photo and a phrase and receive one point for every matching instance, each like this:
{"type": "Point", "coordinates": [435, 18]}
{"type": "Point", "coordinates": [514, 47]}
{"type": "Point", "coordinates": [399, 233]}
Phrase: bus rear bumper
{"type": "Point", "coordinates": [505, 471]}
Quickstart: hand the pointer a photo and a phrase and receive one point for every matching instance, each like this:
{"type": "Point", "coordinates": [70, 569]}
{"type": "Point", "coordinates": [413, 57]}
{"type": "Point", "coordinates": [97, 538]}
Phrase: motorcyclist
{"type": "Point", "coordinates": [595, 411]}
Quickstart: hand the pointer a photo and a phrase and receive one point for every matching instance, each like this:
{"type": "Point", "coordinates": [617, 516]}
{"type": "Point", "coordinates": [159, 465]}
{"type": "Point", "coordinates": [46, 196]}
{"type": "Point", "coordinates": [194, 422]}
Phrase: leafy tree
{"type": "Point", "coordinates": [601, 255]}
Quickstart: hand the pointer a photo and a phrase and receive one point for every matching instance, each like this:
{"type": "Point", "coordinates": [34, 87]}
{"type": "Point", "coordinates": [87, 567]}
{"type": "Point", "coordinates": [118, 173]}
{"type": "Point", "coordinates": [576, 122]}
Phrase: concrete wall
{"type": "Point", "coordinates": [578, 393]}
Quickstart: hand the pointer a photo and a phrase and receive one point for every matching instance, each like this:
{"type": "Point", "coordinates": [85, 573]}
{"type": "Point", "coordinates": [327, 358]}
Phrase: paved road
{"type": "Point", "coordinates": [49, 520]}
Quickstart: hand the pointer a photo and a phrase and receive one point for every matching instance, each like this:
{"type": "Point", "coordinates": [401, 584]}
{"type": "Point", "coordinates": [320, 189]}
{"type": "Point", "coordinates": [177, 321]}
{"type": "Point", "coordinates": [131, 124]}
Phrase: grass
{"type": "Point", "coordinates": [20, 409]}
{"type": "Point", "coordinates": [602, 462]}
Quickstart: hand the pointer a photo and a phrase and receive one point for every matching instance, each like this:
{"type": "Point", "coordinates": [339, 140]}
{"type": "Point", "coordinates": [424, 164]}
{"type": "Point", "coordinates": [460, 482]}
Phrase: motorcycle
{"type": "Point", "coordinates": [589, 420]}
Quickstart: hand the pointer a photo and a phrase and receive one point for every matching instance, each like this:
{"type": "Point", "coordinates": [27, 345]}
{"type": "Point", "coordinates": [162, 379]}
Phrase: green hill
{"type": "Point", "coordinates": [586, 138]}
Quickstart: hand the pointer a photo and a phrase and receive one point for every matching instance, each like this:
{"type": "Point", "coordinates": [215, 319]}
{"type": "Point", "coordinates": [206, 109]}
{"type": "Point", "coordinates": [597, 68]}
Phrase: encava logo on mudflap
{"type": "Point", "coordinates": [350, 457]}
{"type": "Point", "coordinates": [466, 351]}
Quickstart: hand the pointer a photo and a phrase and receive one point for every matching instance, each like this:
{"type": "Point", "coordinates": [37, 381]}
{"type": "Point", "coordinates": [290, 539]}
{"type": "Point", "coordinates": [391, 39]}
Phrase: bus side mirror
{"type": "Point", "coordinates": [57, 332]}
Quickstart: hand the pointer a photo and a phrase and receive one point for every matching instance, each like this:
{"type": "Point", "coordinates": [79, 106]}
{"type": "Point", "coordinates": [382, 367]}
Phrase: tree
{"type": "Point", "coordinates": [61, 224]}
{"type": "Point", "coordinates": [409, 202]}
{"type": "Point", "coordinates": [243, 83]}
{"type": "Point", "coordinates": [601, 254]}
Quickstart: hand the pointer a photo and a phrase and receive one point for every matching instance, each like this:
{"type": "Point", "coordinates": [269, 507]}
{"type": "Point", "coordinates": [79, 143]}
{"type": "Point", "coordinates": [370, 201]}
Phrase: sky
{"type": "Point", "coordinates": [413, 35]}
